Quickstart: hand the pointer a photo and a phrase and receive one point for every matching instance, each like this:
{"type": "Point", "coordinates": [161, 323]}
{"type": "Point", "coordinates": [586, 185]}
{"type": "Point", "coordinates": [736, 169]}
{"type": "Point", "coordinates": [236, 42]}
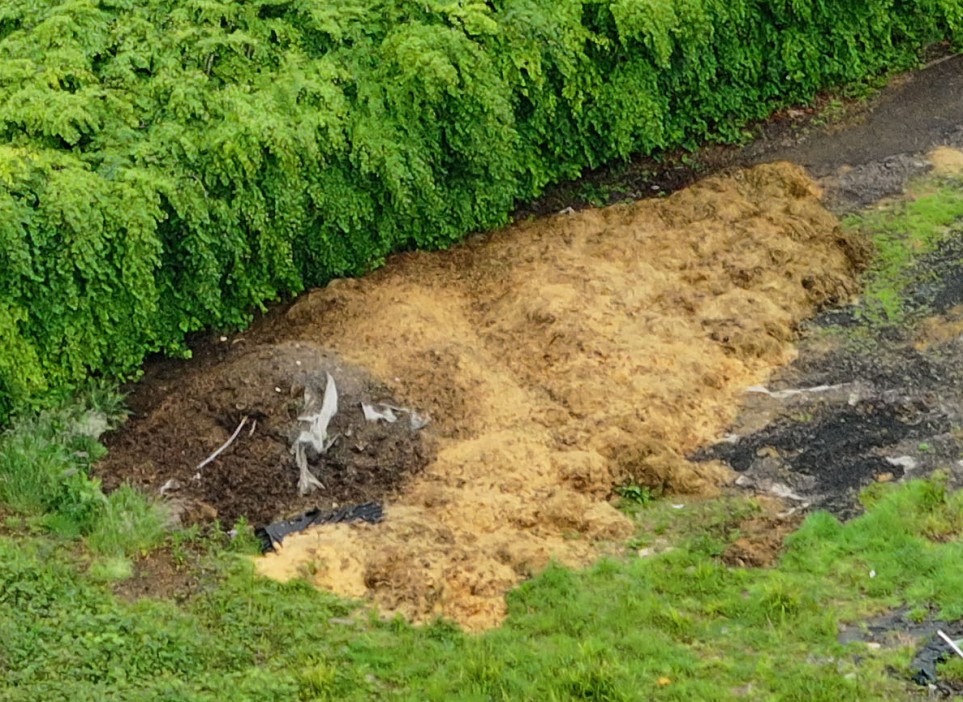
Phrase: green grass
{"type": "Point", "coordinates": [677, 626]}
{"type": "Point", "coordinates": [902, 232]}
{"type": "Point", "coordinates": [45, 465]}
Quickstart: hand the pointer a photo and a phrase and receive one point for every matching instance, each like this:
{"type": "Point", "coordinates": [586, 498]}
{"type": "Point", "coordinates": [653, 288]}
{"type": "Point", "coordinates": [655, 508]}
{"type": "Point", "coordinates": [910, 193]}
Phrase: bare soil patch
{"type": "Point", "coordinates": [557, 359]}
{"type": "Point", "coordinates": [761, 540]}
{"type": "Point", "coordinates": [184, 411]}
{"type": "Point", "coordinates": [162, 575]}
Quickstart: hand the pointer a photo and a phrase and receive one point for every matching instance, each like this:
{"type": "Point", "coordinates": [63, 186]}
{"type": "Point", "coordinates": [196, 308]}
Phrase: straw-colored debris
{"type": "Point", "coordinates": [557, 359]}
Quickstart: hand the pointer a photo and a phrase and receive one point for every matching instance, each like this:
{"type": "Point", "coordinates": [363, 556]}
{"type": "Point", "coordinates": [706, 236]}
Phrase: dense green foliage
{"type": "Point", "coordinates": [676, 626]}
{"type": "Point", "coordinates": [167, 165]}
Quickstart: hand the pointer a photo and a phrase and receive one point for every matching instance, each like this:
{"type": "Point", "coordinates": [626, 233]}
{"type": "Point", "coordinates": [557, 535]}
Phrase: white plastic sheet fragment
{"type": "Point", "coordinates": [314, 434]}
{"type": "Point", "coordinates": [390, 414]}
{"type": "Point", "coordinates": [784, 394]}
{"type": "Point", "coordinates": [951, 643]}
{"type": "Point", "coordinates": [373, 414]}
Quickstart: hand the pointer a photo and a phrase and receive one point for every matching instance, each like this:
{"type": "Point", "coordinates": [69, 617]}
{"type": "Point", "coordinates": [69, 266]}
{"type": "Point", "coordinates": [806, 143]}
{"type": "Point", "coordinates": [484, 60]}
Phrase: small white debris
{"type": "Point", "coordinates": [678, 506]}
{"type": "Point", "coordinates": [170, 486]}
{"type": "Point", "coordinates": [873, 645]}
{"type": "Point", "coordinates": [373, 414]}
{"type": "Point", "coordinates": [222, 447]}
{"type": "Point", "coordinates": [872, 573]}
{"type": "Point", "coordinates": [389, 413]}
{"type": "Point", "coordinates": [223, 338]}
{"type": "Point", "coordinates": [653, 551]}
{"type": "Point", "coordinates": [785, 492]}
{"type": "Point", "coordinates": [853, 399]}
{"type": "Point", "coordinates": [418, 421]}
{"type": "Point", "coordinates": [566, 211]}
{"type": "Point", "coordinates": [906, 462]}
{"type": "Point", "coordinates": [297, 363]}
{"type": "Point", "coordinates": [731, 439]}
{"type": "Point", "coordinates": [784, 394]}
{"type": "Point", "coordinates": [277, 389]}
{"type": "Point", "coordinates": [950, 642]}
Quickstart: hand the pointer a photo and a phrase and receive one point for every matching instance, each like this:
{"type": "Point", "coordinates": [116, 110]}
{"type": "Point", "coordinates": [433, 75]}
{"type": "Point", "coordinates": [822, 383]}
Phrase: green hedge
{"type": "Point", "coordinates": [170, 165]}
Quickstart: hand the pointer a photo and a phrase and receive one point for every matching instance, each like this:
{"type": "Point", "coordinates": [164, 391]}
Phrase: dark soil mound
{"type": "Point", "coordinates": [182, 413]}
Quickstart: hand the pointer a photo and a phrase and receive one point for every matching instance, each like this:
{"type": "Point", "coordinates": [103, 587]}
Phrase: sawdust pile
{"type": "Point", "coordinates": [560, 358]}
{"type": "Point", "coordinates": [946, 161]}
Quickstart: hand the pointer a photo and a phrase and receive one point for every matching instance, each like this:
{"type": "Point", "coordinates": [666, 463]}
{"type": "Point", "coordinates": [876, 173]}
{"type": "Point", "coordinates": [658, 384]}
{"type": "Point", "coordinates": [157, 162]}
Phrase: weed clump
{"type": "Point", "coordinates": [45, 464]}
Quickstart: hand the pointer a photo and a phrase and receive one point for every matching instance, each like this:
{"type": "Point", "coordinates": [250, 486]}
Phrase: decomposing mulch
{"type": "Point", "coordinates": [557, 360]}
{"type": "Point", "coordinates": [182, 412]}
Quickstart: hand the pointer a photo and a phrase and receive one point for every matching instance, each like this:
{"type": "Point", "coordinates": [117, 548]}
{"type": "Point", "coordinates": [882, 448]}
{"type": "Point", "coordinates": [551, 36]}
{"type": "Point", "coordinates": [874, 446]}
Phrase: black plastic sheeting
{"type": "Point", "coordinates": [273, 534]}
{"type": "Point", "coordinates": [935, 651]}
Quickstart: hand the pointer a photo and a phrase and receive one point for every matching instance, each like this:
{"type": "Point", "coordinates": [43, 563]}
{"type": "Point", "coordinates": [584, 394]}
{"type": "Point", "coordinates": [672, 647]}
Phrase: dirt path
{"type": "Point", "coordinates": [874, 154]}
{"type": "Point", "coordinates": [918, 112]}
{"type": "Point", "coordinates": [858, 151]}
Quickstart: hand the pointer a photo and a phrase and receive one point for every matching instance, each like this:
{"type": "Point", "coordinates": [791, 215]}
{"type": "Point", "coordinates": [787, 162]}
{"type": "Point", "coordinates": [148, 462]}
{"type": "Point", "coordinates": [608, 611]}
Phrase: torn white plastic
{"type": "Point", "coordinates": [950, 642]}
{"type": "Point", "coordinates": [373, 414]}
{"type": "Point", "coordinates": [906, 462]}
{"type": "Point", "coordinates": [785, 394]}
{"type": "Point", "coordinates": [307, 482]}
{"type": "Point", "coordinates": [315, 435]}
{"type": "Point", "coordinates": [389, 413]}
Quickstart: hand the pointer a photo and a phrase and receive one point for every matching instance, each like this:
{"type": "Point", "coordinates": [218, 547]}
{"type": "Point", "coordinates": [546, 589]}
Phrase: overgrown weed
{"type": "Point", "coordinates": [45, 477]}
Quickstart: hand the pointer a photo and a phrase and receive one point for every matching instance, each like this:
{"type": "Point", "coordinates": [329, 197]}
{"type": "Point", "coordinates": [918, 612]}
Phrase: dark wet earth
{"type": "Point", "coordinates": [866, 401]}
